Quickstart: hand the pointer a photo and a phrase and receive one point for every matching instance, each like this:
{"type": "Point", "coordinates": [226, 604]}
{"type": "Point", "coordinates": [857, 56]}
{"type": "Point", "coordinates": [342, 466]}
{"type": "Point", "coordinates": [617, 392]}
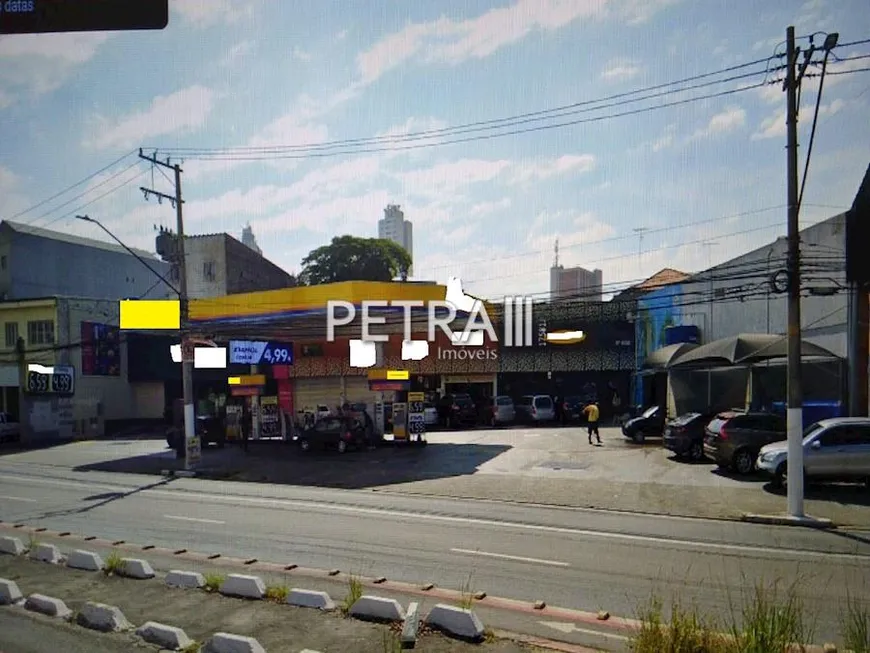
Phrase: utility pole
{"type": "Point", "coordinates": [187, 347]}
{"type": "Point", "coordinates": [794, 414]}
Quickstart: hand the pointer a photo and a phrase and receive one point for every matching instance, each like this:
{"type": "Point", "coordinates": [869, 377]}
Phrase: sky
{"type": "Point", "coordinates": [684, 186]}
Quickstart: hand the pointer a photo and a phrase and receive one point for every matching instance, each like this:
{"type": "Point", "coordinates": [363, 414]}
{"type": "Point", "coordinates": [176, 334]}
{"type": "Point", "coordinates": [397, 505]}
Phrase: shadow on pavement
{"type": "Point", "coordinates": [844, 494]}
{"type": "Point", "coordinates": [279, 462]}
{"type": "Point", "coordinates": [99, 500]}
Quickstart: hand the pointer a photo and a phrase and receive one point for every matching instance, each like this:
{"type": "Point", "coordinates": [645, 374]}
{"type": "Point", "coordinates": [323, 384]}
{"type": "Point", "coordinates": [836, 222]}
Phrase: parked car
{"type": "Point", "coordinates": [458, 410]}
{"type": "Point", "coordinates": [500, 411]}
{"type": "Point", "coordinates": [322, 411]}
{"type": "Point", "coordinates": [535, 409]}
{"type": "Point", "coordinates": [733, 439]}
{"type": "Point", "coordinates": [684, 435]}
{"type": "Point", "coordinates": [572, 409]}
{"type": "Point", "coordinates": [650, 423]}
{"type": "Point", "coordinates": [10, 429]}
{"type": "Point", "coordinates": [834, 450]}
{"type": "Point", "coordinates": [211, 429]}
{"type": "Point", "coordinates": [342, 433]}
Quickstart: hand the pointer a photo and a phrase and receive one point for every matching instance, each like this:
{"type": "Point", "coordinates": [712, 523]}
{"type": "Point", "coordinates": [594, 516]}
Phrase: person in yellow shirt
{"type": "Point", "coordinates": [592, 414]}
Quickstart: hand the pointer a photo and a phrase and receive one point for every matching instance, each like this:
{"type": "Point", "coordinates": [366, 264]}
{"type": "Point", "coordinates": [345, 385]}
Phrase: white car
{"type": "Point", "coordinates": [835, 449]}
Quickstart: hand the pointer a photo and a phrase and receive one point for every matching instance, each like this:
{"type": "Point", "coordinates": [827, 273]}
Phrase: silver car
{"type": "Point", "coordinates": [501, 411]}
{"type": "Point", "coordinates": [537, 409]}
{"type": "Point", "coordinates": [835, 449]}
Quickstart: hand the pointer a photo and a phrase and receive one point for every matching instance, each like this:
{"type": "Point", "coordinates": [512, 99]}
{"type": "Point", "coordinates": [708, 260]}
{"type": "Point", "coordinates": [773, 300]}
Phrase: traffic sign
{"type": "Point", "coordinates": [253, 352]}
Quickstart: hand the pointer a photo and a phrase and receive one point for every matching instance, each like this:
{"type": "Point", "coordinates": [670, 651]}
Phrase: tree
{"type": "Point", "coordinates": [348, 258]}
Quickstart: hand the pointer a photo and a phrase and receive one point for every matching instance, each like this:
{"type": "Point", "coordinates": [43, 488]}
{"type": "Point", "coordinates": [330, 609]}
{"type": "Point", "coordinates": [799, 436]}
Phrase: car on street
{"type": "Point", "coordinates": [835, 449]}
{"type": "Point", "coordinates": [684, 435]}
{"type": "Point", "coordinates": [458, 410]}
{"type": "Point", "coordinates": [650, 423]}
{"type": "Point", "coordinates": [535, 409]}
{"type": "Point", "coordinates": [340, 433]}
{"type": "Point", "coordinates": [10, 429]}
{"type": "Point", "coordinates": [733, 439]}
{"type": "Point", "coordinates": [500, 411]}
{"type": "Point", "coordinates": [211, 429]}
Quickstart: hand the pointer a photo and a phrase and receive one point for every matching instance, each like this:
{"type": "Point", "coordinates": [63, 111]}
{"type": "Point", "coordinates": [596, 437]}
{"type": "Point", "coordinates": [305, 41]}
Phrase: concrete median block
{"type": "Point", "coordinates": [456, 621]}
{"type": "Point", "coordinates": [104, 618]}
{"type": "Point", "coordinates": [377, 608]}
{"type": "Point", "coordinates": [136, 568]}
{"type": "Point", "coordinates": [411, 625]}
{"type": "Point", "coordinates": [185, 579]}
{"type": "Point", "coordinates": [227, 643]}
{"type": "Point", "coordinates": [46, 553]}
{"type": "Point", "coordinates": [310, 599]}
{"type": "Point", "coordinates": [86, 560]}
{"type": "Point", "coordinates": [9, 592]}
{"type": "Point", "coordinates": [11, 546]}
{"type": "Point", "coordinates": [47, 605]}
{"type": "Point", "coordinates": [167, 637]}
{"type": "Point", "coordinates": [246, 587]}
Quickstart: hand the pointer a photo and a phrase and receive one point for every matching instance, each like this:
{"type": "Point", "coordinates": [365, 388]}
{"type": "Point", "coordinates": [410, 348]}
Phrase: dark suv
{"type": "Point", "coordinates": [571, 409]}
{"type": "Point", "coordinates": [458, 410]}
{"type": "Point", "coordinates": [733, 439]}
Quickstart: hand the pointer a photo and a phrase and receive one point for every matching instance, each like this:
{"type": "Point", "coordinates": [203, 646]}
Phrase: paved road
{"type": "Point", "coordinates": [22, 632]}
{"type": "Point", "coordinates": [572, 558]}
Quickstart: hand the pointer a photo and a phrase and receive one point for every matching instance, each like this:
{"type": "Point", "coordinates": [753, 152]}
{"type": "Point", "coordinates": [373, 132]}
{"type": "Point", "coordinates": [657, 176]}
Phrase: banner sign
{"type": "Point", "coordinates": [253, 352]}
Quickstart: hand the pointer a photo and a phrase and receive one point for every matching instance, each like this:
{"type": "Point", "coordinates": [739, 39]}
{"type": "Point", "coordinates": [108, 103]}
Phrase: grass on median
{"type": "Point", "coordinates": [277, 593]}
{"type": "Point", "coordinates": [354, 592]}
{"type": "Point", "coordinates": [213, 582]}
{"type": "Point", "coordinates": [770, 623]}
{"type": "Point", "coordinates": [466, 592]}
{"type": "Point", "coordinates": [855, 625]}
{"type": "Point", "coordinates": [114, 564]}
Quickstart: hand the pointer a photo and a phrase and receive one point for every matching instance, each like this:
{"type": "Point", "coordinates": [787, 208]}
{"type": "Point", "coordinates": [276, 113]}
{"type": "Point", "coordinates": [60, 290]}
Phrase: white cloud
{"type": "Point", "coordinates": [566, 164]}
{"type": "Point", "coordinates": [453, 41]}
{"type": "Point", "coordinates": [300, 55]}
{"type": "Point", "coordinates": [413, 125]}
{"type": "Point", "coordinates": [448, 177]}
{"type": "Point", "coordinates": [725, 121]}
{"type": "Point", "coordinates": [486, 208]}
{"type": "Point", "coordinates": [238, 51]}
{"type": "Point", "coordinates": [208, 13]}
{"type": "Point", "coordinates": [774, 125]}
{"type": "Point", "coordinates": [40, 63]}
{"type": "Point", "coordinates": [12, 201]}
{"type": "Point", "coordinates": [342, 35]}
{"type": "Point", "coordinates": [183, 111]}
{"type": "Point", "coordinates": [620, 70]}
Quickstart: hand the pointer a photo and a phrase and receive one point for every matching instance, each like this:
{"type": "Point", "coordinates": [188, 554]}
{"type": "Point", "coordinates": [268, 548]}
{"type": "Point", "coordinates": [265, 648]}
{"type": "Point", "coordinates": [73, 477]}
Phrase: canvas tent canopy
{"type": "Point", "coordinates": [746, 349]}
{"type": "Point", "coordinates": [662, 358]}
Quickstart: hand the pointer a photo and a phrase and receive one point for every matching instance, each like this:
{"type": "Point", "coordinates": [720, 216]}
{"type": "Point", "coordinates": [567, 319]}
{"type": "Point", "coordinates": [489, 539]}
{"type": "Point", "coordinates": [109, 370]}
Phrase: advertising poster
{"type": "Point", "coordinates": [101, 349]}
{"type": "Point", "coordinates": [400, 421]}
{"type": "Point", "coordinates": [270, 418]}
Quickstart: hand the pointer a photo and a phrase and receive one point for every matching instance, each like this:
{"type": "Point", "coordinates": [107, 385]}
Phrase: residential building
{"type": "Point", "coordinates": [575, 283]}
{"type": "Point", "coordinates": [393, 226]}
{"type": "Point", "coordinates": [81, 333]}
{"type": "Point", "coordinates": [248, 239]}
{"type": "Point", "coordinates": [37, 262]}
{"type": "Point", "coordinates": [218, 265]}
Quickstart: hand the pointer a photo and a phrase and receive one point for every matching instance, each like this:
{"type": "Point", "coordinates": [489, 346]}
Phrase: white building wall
{"type": "Point", "coordinates": [735, 297]}
{"type": "Point", "coordinates": [205, 261]}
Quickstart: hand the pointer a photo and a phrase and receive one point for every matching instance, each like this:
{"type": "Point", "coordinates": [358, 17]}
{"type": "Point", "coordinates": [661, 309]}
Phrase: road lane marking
{"type": "Point", "coordinates": [194, 519]}
{"type": "Point", "coordinates": [569, 628]}
{"type": "Point", "coordinates": [505, 556]}
{"type": "Point", "coordinates": [25, 500]}
{"type": "Point", "coordinates": [714, 547]}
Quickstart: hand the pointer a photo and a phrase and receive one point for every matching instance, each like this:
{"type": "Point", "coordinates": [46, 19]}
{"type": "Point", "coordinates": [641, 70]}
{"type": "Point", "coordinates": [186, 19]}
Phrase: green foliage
{"type": "Point", "coordinates": [114, 564]}
{"type": "Point", "coordinates": [277, 593]}
{"type": "Point", "coordinates": [213, 582]}
{"type": "Point", "coordinates": [354, 592]}
{"type": "Point", "coordinates": [856, 627]}
{"type": "Point", "coordinates": [348, 258]}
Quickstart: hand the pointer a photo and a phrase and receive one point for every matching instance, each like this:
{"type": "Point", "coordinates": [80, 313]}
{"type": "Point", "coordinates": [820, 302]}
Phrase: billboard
{"type": "Point", "coordinates": [101, 349]}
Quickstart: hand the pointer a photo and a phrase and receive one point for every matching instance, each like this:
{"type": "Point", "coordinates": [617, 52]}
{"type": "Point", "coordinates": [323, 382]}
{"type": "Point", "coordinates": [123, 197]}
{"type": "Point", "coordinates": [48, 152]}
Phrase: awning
{"type": "Point", "coordinates": [662, 358]}
{"type": "Point", "coordinates": [747, 348]}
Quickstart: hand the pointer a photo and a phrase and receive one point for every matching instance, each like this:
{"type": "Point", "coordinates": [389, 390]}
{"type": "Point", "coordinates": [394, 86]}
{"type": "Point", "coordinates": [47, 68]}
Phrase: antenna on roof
{"type": "Point", "coordinates": [556, 249]}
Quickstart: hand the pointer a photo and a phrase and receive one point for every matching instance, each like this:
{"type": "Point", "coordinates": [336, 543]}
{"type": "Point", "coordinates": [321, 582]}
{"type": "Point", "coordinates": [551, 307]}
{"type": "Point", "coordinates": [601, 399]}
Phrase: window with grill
{"type": "Point", "coordinates": [208, 270]}
{"type": "Point", "coordinates": [40, 332]}
{"type": "Point", "coordinates": [11, 334]}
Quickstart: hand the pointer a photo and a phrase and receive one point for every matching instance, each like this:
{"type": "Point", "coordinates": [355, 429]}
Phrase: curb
{"type": "Point", "coordinates": [788, 520]}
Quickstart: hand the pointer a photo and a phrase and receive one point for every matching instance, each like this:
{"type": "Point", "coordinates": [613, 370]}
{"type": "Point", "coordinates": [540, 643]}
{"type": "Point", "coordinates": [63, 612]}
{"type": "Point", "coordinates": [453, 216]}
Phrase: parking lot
{"type": "Point", "coordinates": [545, 465]}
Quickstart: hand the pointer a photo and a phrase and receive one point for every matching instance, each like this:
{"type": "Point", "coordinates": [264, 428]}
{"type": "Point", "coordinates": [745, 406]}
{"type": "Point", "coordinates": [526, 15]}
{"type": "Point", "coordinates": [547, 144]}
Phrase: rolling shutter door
{"type": "Point", "coordinates": [309, 392]}
{"type": "Point", "coordinates": [357, 391]}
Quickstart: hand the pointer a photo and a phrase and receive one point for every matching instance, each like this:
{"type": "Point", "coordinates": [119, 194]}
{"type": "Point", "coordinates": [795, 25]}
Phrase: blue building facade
{"type": "Point", "coordinates": [657, 312]}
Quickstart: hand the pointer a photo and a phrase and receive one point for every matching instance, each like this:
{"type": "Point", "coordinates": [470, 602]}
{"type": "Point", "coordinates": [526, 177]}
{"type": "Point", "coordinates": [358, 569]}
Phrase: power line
{"type": "Point", "coordinates": [72, 186]}
{"type": "Point", "coordinates": [496, 123]}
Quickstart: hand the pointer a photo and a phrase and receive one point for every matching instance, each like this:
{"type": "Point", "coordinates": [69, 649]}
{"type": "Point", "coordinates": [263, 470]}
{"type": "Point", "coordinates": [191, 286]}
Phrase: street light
{"type": "Point", "coordinates": [87, 218]}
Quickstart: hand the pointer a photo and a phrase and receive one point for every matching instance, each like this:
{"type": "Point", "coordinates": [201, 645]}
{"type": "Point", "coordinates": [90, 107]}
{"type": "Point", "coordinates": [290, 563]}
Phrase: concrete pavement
{"type": "Point", "coordinates": [22, 632]}
{"type": "Point", "coordinates": [574, 558]}
{"type": "Point", "coordinates": [552, 466]}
